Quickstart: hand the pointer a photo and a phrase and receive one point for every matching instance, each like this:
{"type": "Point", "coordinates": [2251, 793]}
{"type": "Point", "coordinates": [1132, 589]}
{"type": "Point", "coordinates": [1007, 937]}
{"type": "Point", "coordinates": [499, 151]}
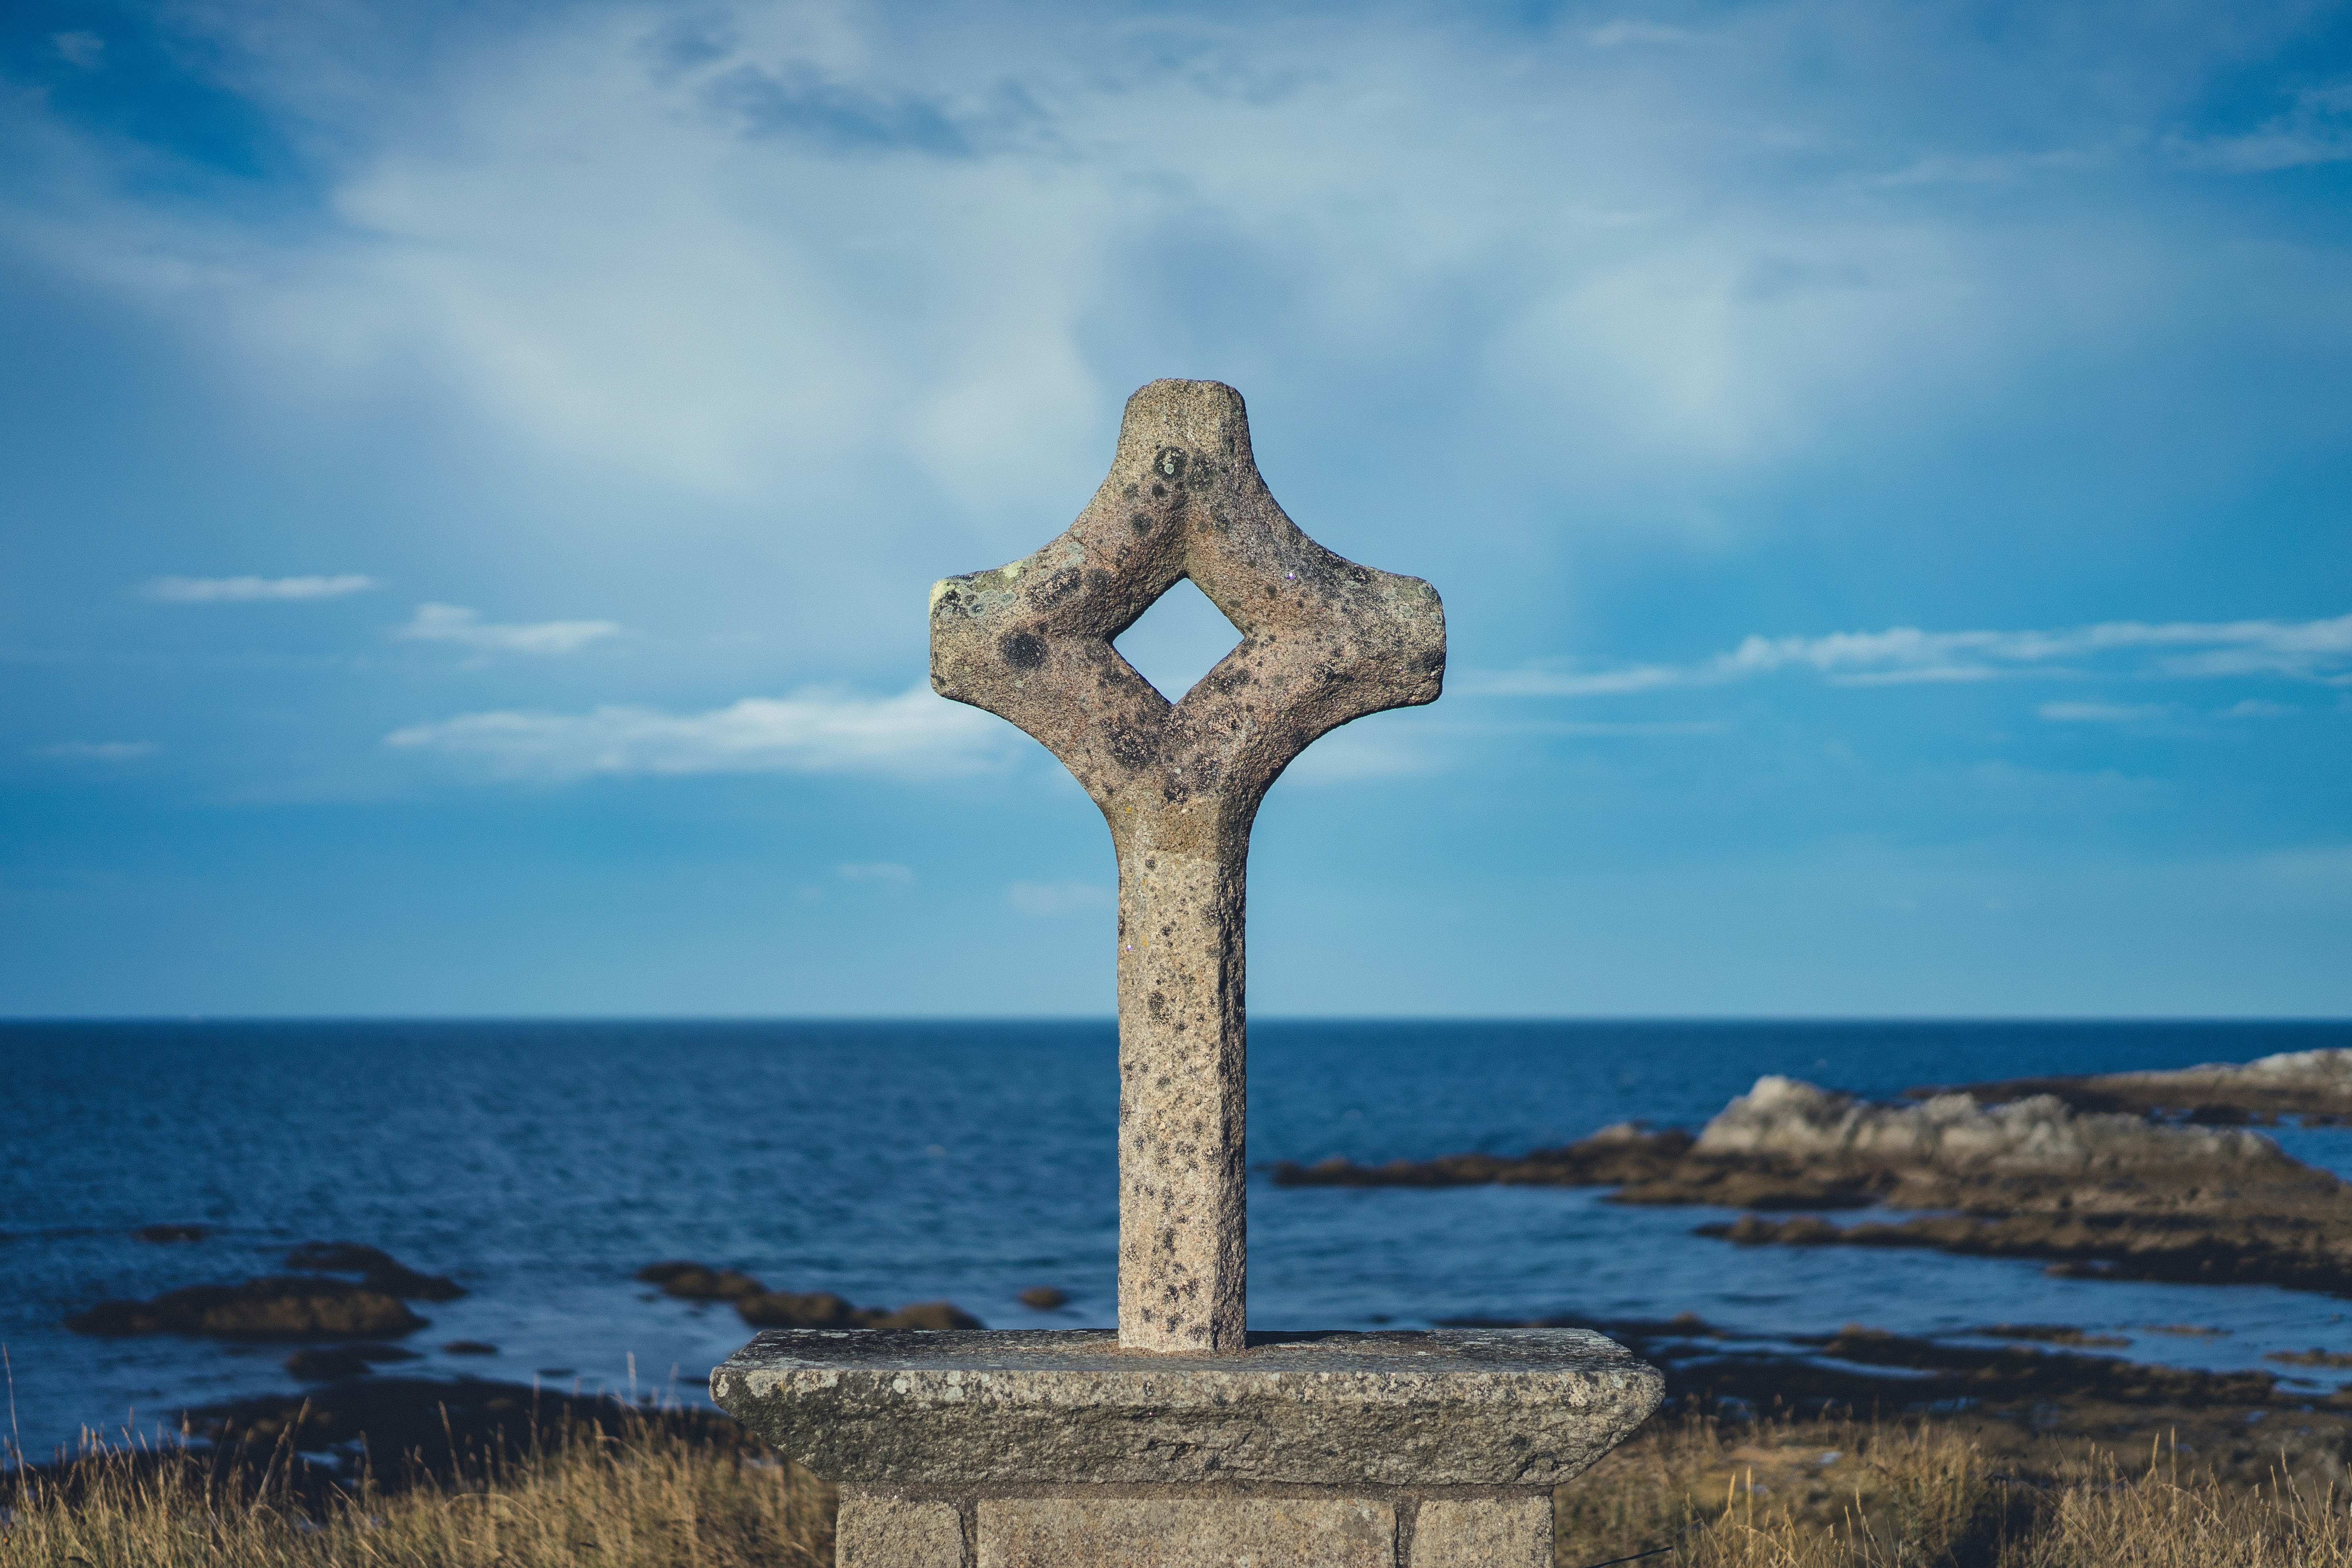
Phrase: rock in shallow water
{"type": "Point", "coordinates": [329, 1363]}
{"type": "Point", "coordinates": [699, 1281]}
{"type": "Point", "coordinates": [378, 1269]}
{"type": "Point", "coordinates": [2314, 1085]}
{"type": "Point", "coordinates": [2095, 1195]}
{"type": "Point", "coordinates": [823, 1309]}
{"type": "Point", "coordinates": [764, 1308]}
{"type": "Point", "coordinates": [277, 1307]}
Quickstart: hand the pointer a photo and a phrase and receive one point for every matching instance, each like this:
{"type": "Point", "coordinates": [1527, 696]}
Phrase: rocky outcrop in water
{"type": "Point", "coordinates": [1864, 1369]}
{"type": "Point", "coordinates": [764, 1308]}
{"type": "Point", "coordinates": [699, 1281]}
{"type": "Point", "coordinates": [331, 1363]}
{"type": "Point", "coordinates": [377, 1269]}
{"type": "Point", "coordinates": [286, 1306]}
{"type": "Point", "coordinates": [1614, 1156]}
{"type": "Point", "coordinates": [277, 1307]}
{"type": "Point", "coordinates": [2316, 1086]}
{"type": "Point", "coordinates": [2098, 1194]}
{"type": "Point", "coordinates": [1786, 1119]}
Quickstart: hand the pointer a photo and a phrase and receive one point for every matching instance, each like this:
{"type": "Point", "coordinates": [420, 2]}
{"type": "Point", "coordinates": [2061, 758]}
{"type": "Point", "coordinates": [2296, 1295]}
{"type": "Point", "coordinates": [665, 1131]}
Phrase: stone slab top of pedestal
{"type": "Point", "coordinates": [1507, 1407]}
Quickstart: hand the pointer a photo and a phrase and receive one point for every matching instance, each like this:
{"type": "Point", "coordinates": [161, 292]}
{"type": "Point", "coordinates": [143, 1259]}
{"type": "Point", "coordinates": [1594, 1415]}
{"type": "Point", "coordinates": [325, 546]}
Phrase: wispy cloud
{"type": "Point", "coordinates": [2307, 650]}
{"type": "Point", "coordinates": [708, 274]}
{"type": "Point", "coordinates": [887, 875]}
{"type": "Point", "coordinates": [248, 590]}
{"type": "Point", "coordinates": [98, 751]}
{"type": "Point", "coordinates": [454, 623]}
{"type": "Point", "coordinates": [914, 734]}
{"type": "Point", "coordinates": [1357, 753]}
{"type": "Point", "coordinates": [2102, 712]}
{"type": "Point", "coordinates": [1616, 35]}
{"type": "Point", "coordinates": [2316, 130]}
{"type": "Point", "coordinates": [1047, 900]}
{"type": "Point", "coordinates": [87, 50]}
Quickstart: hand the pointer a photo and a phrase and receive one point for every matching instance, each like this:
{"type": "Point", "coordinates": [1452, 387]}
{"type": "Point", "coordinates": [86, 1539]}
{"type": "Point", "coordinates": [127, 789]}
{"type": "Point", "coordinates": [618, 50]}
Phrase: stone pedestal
{"type": "Point", "coordinates": [1315, 1450]}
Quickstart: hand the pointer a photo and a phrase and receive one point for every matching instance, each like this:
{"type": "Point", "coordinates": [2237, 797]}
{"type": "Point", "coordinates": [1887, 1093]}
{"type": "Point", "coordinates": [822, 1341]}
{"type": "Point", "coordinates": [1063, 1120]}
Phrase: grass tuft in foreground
{"type": "Point", "coordinates": [647, 1490]}
{"type": "Point", "coordinates": [1917, 1494]}
{"type": "Point", "coordinates": [627, 1491]}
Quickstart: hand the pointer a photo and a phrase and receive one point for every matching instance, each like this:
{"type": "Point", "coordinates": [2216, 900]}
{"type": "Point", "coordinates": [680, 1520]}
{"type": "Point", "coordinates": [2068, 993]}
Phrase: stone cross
{"type": "Point", "coordinates": [1323, 641]}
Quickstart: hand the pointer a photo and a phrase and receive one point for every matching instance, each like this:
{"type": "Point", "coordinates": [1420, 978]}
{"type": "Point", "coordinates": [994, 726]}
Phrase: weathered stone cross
{"type": "Point", "coordinates": [1323, 641]}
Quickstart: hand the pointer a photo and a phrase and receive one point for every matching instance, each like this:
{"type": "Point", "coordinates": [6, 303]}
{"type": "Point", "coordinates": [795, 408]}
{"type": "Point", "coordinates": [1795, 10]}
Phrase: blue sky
{"type": "Point", "coordinates": [474, 474]}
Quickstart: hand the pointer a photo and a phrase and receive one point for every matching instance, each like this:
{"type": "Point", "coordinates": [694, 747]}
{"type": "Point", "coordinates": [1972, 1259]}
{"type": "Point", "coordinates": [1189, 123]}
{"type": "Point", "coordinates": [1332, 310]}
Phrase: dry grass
{"type": "Point", "coordinates": [1846, 1494]}
{"type": "Point", "coordinates": [631, 1492]}
{"type": "Point", "coordinates": [638, 1491]}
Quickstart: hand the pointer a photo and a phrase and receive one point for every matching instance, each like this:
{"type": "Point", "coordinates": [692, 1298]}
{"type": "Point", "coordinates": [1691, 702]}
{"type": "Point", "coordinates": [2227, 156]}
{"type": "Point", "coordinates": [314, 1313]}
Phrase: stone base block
{"type": "Point", "coordinates": [1164, 1527]}
{"type": "Point", "coordinates": [1494, 1407]}
{"type": "Point", "coordinates": [1062, 1449]}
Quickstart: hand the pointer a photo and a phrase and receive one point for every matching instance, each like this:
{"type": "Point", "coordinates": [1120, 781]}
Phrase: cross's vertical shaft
{"type": "Point", "coordinates": [1323, 641]}
{"type": "Point", "coordinates": [1182, 1216]}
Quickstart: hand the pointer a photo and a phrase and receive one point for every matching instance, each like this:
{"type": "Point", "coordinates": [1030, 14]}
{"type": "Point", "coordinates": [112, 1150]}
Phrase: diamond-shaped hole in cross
{"type": "Point", "coordinates": [1180, 639]}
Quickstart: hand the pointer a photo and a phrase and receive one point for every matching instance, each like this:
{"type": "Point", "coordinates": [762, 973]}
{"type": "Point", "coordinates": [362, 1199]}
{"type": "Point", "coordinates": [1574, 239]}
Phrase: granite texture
{"type": "Point", "coordinates": [1321, 641]}
{"type": "Point", "coordinates": [877, 1531]}
{"type": "Point", "coordinates": [1180, 1533]}
{"type": "Point", "coordinates": [1524, 1408]}
{"type": "Point", "coordinates": [1482, 1532]}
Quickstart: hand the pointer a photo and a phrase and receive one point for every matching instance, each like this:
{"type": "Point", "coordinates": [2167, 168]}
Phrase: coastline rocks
{"type": "Point", "coordinates": [699, 1281]}
{"type": "Point", "coordinates": [2095, 1194]}
{"type": "Point", "coordinates": [275, 1308]}
{"type": "Point", "coordinates": [377, 1269]}
{"type": "Point", "coordinates": [1860, 1368]}
{"type": "Point", "coordinates": [2213, 1249]}
{"type": "Point", "coordinates": [1789, 1119]}
{"type": "Point", "coordinates": [930, 1315]}
{"type": "Point", "coordinates": [1043, 1298]}
{"type": "Point", "coordinates": [331, 1363]}
{"type": "Point", "coordinates": [2314, 1085]}
{"type": "Point", "coordinates": [823, 1309]}
{"type": "Point", "coordinates": [1617, 1155]}
{"type": "Point", "coordinates": [764, 1308]}
{"type": "Point", "coordinates": [2052, 1334]}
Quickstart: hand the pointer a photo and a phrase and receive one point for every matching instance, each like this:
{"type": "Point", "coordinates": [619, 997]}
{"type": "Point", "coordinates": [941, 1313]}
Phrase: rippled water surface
{"type": "Point", "coordinates": [540, 1163]}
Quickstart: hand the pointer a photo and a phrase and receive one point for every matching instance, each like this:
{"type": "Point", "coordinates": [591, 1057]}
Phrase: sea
{"type": "Point", "coordinates": [541, 1164]}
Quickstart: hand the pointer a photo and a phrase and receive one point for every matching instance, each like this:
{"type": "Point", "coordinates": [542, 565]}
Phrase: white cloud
{"type": "Point", "coordinates": [1637, 729]}
{"type": "Point", "coordinates": [915, 734]}
{"type": "Point", "coordinates": [741, 243]}
{"type": "Point", "coordinates": [1352, 753]}
{"type": "Point", "coordinates": [2253, 708]}
{"type": "Point", "coordinates": [98, 751]}
{"type": "Point", "coordinates": [2102, 712]}
{"type": "Point", "coordinates": [1612, 34]}
{"type": "Point", "coordinates": [452, 624]}
{"type": "Point", "coordinates": [2317, 651]}
{"type": "Point", "coordinates": [240, 590]}
{"type": "Point", "coordinates": [1048, 901]}
{"type": "Point", "coordinates": [2311, 863]}
{"type": "Point", "coordinates": [87, 50]}
{"type": "Point", "coordinates": [887, 875]}
{"type": "Point", "coordinates": [2316, 130]}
